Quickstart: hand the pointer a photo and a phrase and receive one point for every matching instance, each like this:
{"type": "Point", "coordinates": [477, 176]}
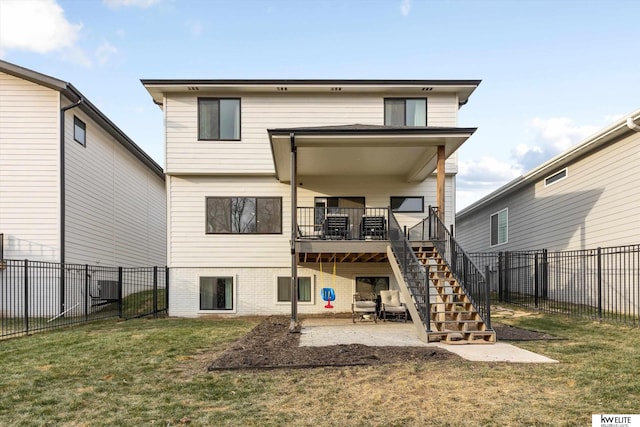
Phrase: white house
{"type": "Point", "coordinates": [273, 179]}
{"type": "Point", "coordinates": [584, 198]}
{"type": "Point", "coordinates": [73, 187]}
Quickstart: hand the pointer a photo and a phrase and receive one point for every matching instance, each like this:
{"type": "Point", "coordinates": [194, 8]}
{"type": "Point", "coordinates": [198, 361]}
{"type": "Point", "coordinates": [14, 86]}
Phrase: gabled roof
{"type": "Point", "coordinates": [611, 133]}
{"type": "Point", "coordinates": [73, 94]}
{"type": "Point", "coordinates": [463, 88]}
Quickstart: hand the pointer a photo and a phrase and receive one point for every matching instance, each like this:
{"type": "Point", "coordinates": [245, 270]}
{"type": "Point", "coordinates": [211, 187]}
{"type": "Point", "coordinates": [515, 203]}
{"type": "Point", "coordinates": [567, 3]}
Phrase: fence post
{"type": "Point", "coordinates": [166, 289]}
{"type": "Point", "coordinates": [536, 278]}
{"type": "Point", "coordinates": [120, 292]}
{"type": "Point", "coordinates": [599, 266]}
{"type": "Point", "coordinates": [86, 292]}
{"type": "Point", "coordinates": [545, 274]}
{"type": "Point", "coordinates": [500, 275]}
{"type": "Point", "coordinates": [507, 279]}
{"type": "Point", "coordinates": [26, 295]}
{"type": "Point", "coordinates": [155, 291]}
{"type": "Point", "coordinates": [487, 287]}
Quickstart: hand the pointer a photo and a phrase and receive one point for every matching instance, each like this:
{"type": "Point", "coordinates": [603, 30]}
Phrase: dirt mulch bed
{"type": "Point", "coordinates": [512, 333]}
{"type": "Point", "coordinates": [270, 346]}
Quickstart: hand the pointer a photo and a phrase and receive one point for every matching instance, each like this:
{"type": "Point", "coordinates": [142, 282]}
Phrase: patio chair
{"type": "Point", "coordinates": [373, 227]}
{"type": "Point", "coordinates": [390, 305]}
{"type": "Point", "coordinates": [336, 227]}
{"type": "Point", "coordinates": [363, 307]}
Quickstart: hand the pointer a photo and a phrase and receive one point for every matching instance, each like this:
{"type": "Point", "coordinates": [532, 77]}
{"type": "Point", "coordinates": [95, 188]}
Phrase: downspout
{"type": "Point", "coordinates": [63, 110]}
{"type": "Point", "coordinates": [293, 326]}
{"type": "Point", "coordinates": [632, 125]}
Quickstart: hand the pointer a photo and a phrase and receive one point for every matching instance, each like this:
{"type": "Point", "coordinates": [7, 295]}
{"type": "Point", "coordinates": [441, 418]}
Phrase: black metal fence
{"type": "Point", "coordinates": [600, 284]}
{"type": "Point", "coordinates": [37, 295]}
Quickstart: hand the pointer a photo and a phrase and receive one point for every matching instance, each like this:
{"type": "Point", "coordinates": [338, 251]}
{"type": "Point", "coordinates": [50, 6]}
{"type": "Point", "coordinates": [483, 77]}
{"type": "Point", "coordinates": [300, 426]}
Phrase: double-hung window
{"type": "Point", "coordinates": [499, 227]}
{"type": "Point", "coordinates": [244, 215]}
{"type": "Point", "coordinates": [219, 119]}
{"type": "Point", "coordinates": [304, 289]}
{"type": "Point", "coordinates": [216, 293]}
{"type": "Point", "coordinates": [405, 111]}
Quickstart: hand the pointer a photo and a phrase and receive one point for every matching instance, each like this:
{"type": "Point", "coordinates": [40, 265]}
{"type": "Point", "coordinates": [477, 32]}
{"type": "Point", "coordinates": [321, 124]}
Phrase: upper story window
{"type": "Point", "coordinates": [79, 131]}
{"type": "Point", "coordinates": [244, 215]}
{"type": "Point", "coordinates": [219, 119]}
{"type": "Point", "coordinates": [405, 111]}
{"type": "Point", "coordinates": [407, 204]}
{"type": "Point", "coordinates": [499, 227]}
{"type": "Point", "coordinates": [558, 176]}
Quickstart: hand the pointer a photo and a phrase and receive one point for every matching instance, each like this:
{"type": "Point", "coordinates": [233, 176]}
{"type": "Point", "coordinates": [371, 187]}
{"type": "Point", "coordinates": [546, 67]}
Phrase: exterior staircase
{"type": "Point", "coordinates": [453, 316]}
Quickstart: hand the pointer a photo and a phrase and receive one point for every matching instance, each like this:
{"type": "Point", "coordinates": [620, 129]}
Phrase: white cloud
{"type": "Point", "coordinates": [126, 3]}
{"type": "Point", "coordinates": [551, 137]}
{"type": "Point", "coordinates": [37, 26]}
{"type": "Point", "coordinates": [121, 33]}
{"type": "Point", "coordinates": [405, 7]}
{"type": "Point", "coordinates": [477, 178]}
{"type": "Point", "coordinates": [105, 51]}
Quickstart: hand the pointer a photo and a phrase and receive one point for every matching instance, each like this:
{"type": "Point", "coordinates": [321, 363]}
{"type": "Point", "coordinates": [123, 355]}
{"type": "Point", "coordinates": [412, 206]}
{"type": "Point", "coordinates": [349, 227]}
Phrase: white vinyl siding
{"type": "Point", "coordinates": [115, 213]}
{"type": "Point", "coordinates": [594, 206]}
{"type": "Point", "coordinates": [185, 154]}
{"type": "Point", "coordinates": [29, 173]}
{"type": "Point", "coordinates": [190, 246]}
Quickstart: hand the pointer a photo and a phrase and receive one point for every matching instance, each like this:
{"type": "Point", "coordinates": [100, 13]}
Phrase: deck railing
{"type": "Point", "coordinates": [462, 266]}
{"type": "Point", "coordinates": [325, 223]}
{"type": "Point", "coordinates": [413, 271]}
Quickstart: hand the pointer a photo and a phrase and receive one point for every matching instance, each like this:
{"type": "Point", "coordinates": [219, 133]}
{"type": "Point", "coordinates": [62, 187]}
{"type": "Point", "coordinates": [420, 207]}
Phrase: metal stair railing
{"type": "Point", "coordinates": [468, 275]}
{"type": "Point", "coordinates": [413, 271]}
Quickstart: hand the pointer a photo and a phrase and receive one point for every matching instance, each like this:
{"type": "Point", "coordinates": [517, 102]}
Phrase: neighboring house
{"type": "Point", "coordinates": [584, 198]}
{"type": "Point", "coordinates": [73, 187]}
{"type": "Point", "coordinates": [269, 179]}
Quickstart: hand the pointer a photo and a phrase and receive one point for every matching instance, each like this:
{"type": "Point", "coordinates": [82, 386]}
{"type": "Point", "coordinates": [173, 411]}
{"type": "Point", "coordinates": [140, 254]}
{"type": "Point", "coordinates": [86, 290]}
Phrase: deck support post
{"type": "Point", "coordinates": [440, 182]}
{"type": "Point", "coordinates": [293, 326]}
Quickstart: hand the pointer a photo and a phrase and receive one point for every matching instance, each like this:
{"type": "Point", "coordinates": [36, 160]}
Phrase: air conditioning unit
{"type": "Point", "coordinates": [108, 289]}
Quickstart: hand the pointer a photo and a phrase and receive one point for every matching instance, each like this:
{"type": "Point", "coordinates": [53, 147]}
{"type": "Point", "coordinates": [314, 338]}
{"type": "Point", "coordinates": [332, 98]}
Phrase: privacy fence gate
{"type": "Point", "coordinates": [38, 295]}
{"type": "Point", "coordinates": [601, 283]}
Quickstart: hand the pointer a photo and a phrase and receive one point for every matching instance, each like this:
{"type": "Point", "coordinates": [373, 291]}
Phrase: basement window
{"type": "Point", "coordinates": [558, 176]}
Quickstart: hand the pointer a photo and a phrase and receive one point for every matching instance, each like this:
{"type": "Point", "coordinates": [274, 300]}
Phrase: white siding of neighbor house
{"type": "Point", "coordinates": [598, 204]}
{"type": "Point", "coordinates": [115, 205]}
{"type": "Point", "coordinates": [29, 174]}
{"type": "Point", "coordinates": [259, 112]}
{"type": "Point", "coordinates": [190, 246]}
{"type": "Point", "coordinates": [255, 288]}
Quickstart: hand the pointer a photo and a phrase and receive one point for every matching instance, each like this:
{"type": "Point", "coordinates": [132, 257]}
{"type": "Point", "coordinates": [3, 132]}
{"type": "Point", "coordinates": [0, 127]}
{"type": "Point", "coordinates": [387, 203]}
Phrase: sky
{"type": "Point", "coordinates": [553, 71]}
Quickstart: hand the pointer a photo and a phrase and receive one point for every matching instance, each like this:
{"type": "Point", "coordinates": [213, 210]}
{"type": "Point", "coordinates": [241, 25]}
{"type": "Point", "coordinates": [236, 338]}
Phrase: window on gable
{"type": "Point", "coordinates": [304, 289]}
{"type": "Point", "coordinates": [558, 176]}
{"type": "Point", "coordinates": [244, 215]}
{"type": "Point", "coordinates": [79, 131]}
{"type": "Point", "coordinates": [216, 293]}
{"type": "Point", "coordinates": [219, 119]}
{"type": "Point", "coordinates": [499, 227]}
{"type": "Point", "coordinates": [407, 204]}
{"type": "Point", "coordinates": [405, 111]}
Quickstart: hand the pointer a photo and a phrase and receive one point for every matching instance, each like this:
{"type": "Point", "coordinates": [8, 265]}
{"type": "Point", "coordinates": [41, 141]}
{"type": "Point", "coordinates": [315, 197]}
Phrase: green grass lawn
{"type": "Point", "coordinates": [153, 372]}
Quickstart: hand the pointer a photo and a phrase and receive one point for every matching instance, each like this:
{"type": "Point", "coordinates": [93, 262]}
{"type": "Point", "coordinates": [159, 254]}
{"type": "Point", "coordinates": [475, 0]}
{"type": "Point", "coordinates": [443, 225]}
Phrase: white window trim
{"type": "Point", "coordinates": [566, 175]}
{"type": "Point", "coordinates": [313, 290]}
{"type": "Point", "coordinates": [234, 310]}
{"type": "Point", "coordinates": [507, 232]}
